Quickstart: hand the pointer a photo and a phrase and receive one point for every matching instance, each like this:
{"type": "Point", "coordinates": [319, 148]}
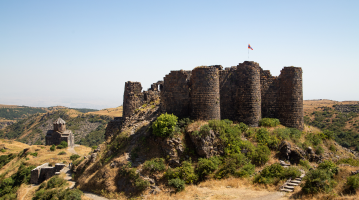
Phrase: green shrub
{"type": "Point", "coordinates": [64, 144]}
{"type": "Point", "coordinates": [177, 183]}
{"type": "Point", "coordinates": [62, 153]}
{"type": "Point", "coordinates": [353, 182]}
{"type": "Point", "coordinates": [34, 154]}
{"type": "Point", "coordinates": [204, 130]}
{"type": "Point", "coordinates": [350, 161]}
{"type": "Point", "coordinates": [318, 180]}
{"type": "Point", "coordinates": [315, 139]}
{"type": "Point", "coordinates": [73, 157]}
{"type": "Point", "coordinates": [246, 170]}
{"type": "Point", "coordinates": [231, 164]}
{"type": "Point", "coordinates": [53, 147]}
{"type": "Point", "coordinates": [3, 150]}
{"type": "Point", "coordinates": [56, 182]}
{"type": "Point", "coordinates": [282, 133]}
{"type": "Point", "coordinates": [332, 148]}
{"type": "Point", "coordinates": [164, 125]}
{"type": "Point", "coordinates": [305, 163]}
{"type": "Point", "coordinates": [329, 166]}
{"type": "Point", "coordinates": [270, 122]}
{"type": "Point", "coordinates": [94, 147]}
{"type": "Point", "coordinates": [290, 172]}
{"type": "Point", "coordinates": [269, 174]}
{"type": "Point", "coordinates": [185, 172]}
{"type": "Point", "coordinates": [319, 150]}
{"type": "Point", "coordinates": [141, 184]}
{"type": "Point", "coordinates": [155, 164]}
{"type": "Point", "coordinates": [263, 137]}
{"type": "Point", "coordinates": [260, 156]}
{"type": "Point", "coordinates": [206, 166]}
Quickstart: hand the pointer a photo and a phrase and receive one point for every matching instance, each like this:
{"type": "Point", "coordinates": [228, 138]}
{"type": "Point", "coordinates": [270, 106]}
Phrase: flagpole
{"type": "Point", "coordinates": [248, 54]}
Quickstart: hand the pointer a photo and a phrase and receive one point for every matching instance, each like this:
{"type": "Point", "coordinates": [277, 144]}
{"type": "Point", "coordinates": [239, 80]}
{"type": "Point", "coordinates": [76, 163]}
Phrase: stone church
{"type": "Point", "coordinates": [59, 134]}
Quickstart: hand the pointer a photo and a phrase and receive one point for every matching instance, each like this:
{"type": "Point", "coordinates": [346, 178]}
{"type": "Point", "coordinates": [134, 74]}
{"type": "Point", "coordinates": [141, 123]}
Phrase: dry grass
{"type": "Point", "coordinates": [195, 126]}
{"type": "Point", "coordinates": [82, 150]}
{"type": "Point", "coordinates": [113, 112]}
{"type": "Point", "coordinates": [231, 188]}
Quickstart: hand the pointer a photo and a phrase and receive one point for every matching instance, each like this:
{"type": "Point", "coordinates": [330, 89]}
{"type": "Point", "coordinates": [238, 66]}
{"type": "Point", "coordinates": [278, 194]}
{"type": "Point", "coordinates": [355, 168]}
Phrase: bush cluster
{"type": "Point", "coordinates": [155, 164]}
{"type": "Point", "coordinates": [186, 172]}
{"type": "Point", "coordinates": [269, 122]}
{"type": "Point", "coordinates": [134, 177]}
{"type": "Point", "coordinates": [62, 145]}
{"type": "Point", "coordinates": [73, 157]}
{"type": "Point", "coordinates": [275, 172]}
{"type": "Point", "coordinates": [165, 125]}
{"type": "Point", "coordinates": [321, 179]}
{"type": "Point", "coordinates": [177, 183]}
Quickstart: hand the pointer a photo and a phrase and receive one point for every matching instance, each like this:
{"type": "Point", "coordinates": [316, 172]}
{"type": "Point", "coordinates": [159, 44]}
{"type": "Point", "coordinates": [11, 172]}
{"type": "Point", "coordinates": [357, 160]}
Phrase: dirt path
{"type": "Point", "coordinates": [71, 150]}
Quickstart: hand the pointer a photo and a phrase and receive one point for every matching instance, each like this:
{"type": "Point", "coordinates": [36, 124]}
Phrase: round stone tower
{"type": "Point", "coordinates": [248, 94]}
{"type": "Point", "coordinates": [290, 98]}
{"type": "Point", "coordinates": [59, 125]}
{"type": "Point", "coordinates": [205, 96]}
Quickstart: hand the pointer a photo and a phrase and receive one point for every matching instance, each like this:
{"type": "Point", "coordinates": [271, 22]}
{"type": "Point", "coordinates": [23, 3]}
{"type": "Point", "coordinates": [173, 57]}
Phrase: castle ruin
{"type": "Point", "coordinates": [59, 134]}
{"type": "Point", "coordinates": [243, 93]}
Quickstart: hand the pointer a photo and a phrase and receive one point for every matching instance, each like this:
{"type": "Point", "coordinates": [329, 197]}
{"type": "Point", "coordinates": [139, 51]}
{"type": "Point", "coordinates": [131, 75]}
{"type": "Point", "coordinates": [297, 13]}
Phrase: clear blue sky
{"type": "Point", "coordinates": [80, 53]}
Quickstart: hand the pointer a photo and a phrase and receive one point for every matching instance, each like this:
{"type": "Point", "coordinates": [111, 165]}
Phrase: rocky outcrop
{"type": "Point", "coordinates": [113, 127]}
{"type": "Point", "coordinates": [173, 148]}
{"type": "Point", "coordinates": [293, 154]}
{"type": "Point", "coordinates": [207, 144]}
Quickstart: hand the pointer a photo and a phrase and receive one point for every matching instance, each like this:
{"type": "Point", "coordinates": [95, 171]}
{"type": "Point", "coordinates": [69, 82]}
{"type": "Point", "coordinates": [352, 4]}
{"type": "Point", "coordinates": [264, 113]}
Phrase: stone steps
{"type": "Point", "coordinates": [289, 185]}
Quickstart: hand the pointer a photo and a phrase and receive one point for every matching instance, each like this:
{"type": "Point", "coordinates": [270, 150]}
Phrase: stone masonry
{"type": "Point", "coordinates": [60, 134]}
{"type": "Point", "coordinates": [243, 93]}
{"type": "Point", "coordinates": [44, 172]}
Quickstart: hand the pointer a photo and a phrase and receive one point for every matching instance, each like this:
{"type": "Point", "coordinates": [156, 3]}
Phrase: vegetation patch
{"type": "Point", "coordinates": [165, 125]}
{"type": "Point", "coordinates": [269, 122]}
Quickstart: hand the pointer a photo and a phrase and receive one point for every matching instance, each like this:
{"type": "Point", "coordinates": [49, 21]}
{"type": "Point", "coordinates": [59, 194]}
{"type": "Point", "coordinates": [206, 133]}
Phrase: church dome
{"type": "Point", "coordinates": [59, 121]}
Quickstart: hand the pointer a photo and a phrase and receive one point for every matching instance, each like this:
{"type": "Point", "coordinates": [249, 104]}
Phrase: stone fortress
{"type": "Point", "coordinates": [44, 172]}
{"type": "Point", "coordinates": [243, 93]}
{"type": "Point", "coordinates": [59, 134]}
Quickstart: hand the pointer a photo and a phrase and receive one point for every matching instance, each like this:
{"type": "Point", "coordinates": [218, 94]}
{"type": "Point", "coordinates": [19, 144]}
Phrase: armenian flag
{"type": "Point", "coordinates": [249, 47]}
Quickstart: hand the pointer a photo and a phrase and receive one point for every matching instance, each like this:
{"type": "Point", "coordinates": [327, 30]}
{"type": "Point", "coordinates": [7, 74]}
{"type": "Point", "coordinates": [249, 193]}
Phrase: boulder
{"type": "Point", "coordinates": [285, 149]}
{"type": "Point", "coordinates": [207, 145]}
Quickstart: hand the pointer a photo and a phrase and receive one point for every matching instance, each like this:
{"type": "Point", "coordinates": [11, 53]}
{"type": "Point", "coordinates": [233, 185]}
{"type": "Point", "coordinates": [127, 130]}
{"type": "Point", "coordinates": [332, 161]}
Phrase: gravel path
{"type": "Point", "coordinates": [68, 177]}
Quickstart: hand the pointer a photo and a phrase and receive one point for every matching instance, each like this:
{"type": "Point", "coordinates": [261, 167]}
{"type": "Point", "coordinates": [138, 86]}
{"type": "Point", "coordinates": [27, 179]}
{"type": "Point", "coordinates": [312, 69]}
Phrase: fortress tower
{"type": "Point", "coordinates": [205, 98]}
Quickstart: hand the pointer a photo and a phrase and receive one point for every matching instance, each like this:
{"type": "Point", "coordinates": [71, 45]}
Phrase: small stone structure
{"type": "Point", "coordinates": [43, 172]}
{"type": "Point", "coordinates": [243, 93]}
{"type": "Point", "coordinates": [59, 134]}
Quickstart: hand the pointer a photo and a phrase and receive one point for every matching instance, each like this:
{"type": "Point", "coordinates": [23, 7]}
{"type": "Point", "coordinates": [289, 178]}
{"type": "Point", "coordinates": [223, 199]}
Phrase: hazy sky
{"type": "Point", "coordinates": [81, 53]}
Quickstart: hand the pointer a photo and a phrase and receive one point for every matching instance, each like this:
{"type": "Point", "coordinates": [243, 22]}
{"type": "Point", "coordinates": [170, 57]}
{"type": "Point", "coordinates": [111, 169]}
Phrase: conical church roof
{"type": "Point", "coordinates": [59, 121]}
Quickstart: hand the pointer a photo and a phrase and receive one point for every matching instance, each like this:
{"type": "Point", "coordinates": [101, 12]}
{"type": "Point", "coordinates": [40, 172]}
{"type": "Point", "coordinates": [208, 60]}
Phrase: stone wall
{"type": "Point", "coordinates": [269, 93]}
{"type": "Point", "coordinates": [205, 97]}
{"type": "Point", "coordinates": [248, 93]}
{"type": "Point", "coordinates": [44, 172]}
{"type": "Point", "coordinates": [227, 88]}
{"type": "Point", "coordinates": [175, 96]}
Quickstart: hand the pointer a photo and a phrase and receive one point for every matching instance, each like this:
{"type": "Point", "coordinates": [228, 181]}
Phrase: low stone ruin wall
{"type": "Point", "coordinates": [44, 171]}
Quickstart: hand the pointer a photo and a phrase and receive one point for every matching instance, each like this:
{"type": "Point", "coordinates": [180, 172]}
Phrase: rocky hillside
{"type": "Point", "coordinates": [156, 155]}
{"type": "Point", "coordinates": [88, 129]}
